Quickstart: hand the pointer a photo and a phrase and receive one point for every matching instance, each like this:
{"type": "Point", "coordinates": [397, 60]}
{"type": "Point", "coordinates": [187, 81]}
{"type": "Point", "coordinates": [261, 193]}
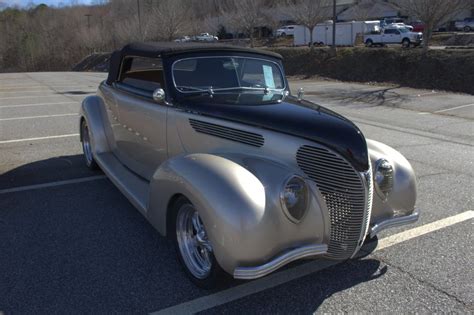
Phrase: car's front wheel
{"type": "Point", "coordinates": [467, 29]}
{"type": "Point", "coordinates": [193, 247]}
{"type": "Point", "coordinates": [369, 43]}
{"type": "Point", "coordinates": [406, 43]}
{"type": "Point", "coordinates": [87, 146]}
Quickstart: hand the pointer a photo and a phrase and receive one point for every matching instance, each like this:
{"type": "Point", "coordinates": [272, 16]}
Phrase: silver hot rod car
{"type": "Point", "coordinates": [208, 143]}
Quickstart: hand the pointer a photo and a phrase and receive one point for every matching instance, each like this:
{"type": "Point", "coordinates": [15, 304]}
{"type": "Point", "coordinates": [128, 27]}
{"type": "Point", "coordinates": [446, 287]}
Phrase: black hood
{"type": "Point", "coordinates": [290, 116]}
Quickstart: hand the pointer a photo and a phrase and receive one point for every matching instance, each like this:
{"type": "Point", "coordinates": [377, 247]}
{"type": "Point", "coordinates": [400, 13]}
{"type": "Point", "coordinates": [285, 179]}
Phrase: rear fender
{"type": "Point", "coordinates": [93, 111]}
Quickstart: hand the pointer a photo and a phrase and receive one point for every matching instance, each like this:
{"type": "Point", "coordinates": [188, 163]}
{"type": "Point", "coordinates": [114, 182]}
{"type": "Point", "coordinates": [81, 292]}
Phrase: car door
{"type": "Point", "coordinates": [396, 37]}
{"type": "Point", "coordinates": [142, 120]}
{"type": "Point", "coordinates": [388, 36]}
{"type": "Point", "coordinates": [113, 129]}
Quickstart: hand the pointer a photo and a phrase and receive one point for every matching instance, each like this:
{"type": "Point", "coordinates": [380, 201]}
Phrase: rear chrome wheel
{"type": "Point", "coordinates": [194, 249]}
{"type": "Point", "coordinates": [87, 146]}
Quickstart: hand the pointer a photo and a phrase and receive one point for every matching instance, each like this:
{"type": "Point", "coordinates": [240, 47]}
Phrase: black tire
{"type": "Point", "coordinates": [87, 147]}
{"type": "Point", "coordinates": [369, 43]}
{"type": "Point", "coordinates": [283, 34]}
{"type": "Point", "coordinates": [216, 275]}
{"type": "Point", "coordinates": [467, 29]}
{"type": "Point", "coordinates": [406, 43]}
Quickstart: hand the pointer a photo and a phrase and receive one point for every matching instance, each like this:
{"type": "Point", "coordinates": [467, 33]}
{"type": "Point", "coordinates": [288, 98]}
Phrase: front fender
{"type": "Point", "coordinates": [401, 200]}
{"type": "Point", "coordinates": [93, 111]}
{"type": "Point", "coordinates": [238, 200]}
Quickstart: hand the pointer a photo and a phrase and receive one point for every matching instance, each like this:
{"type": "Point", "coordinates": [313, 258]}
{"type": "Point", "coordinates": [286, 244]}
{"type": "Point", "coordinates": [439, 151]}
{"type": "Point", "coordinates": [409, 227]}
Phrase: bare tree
{"type": "Point", "coordinates": [310, 13]}
{"type": "Point", "coordinates": [244, 15]}
{"type": "Point", "coordinates": [272, 20]}
{"type": "Point", "coordinates": [433, 13]}
{"type": "Point", "coordinates": [169, 18]}
{"type": "Point", "coordinates": [362, 11]}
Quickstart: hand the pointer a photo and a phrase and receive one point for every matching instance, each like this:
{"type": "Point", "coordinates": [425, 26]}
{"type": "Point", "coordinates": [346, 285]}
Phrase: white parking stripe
{"type": "Point", "coordinates": [453, 108]}
{"type": "Point", "coordinates": [29, 87]}
{"type": "Point", "coordinates": [424, 229]}
{"type": "Point", "coordinates": [42, 116]}
{"type": "Point", "coordinates": [273, 280]}
{"type": "Point", "coordinates": [36, 96]}
{"type": "Point", "coordinates": [52, 184]}
{"type": "Point", "coordinates": [39, 138]}
{"type": "Point", "coordinates": [47, 89]}
{"type": "Point", "coordinates": [36, 104]}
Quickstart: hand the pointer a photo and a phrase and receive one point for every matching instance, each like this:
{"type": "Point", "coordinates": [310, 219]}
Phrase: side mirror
{"type": "Point", "coordinates": [300, 94]}
{"type": "Point", "coordinates": [159, 95]}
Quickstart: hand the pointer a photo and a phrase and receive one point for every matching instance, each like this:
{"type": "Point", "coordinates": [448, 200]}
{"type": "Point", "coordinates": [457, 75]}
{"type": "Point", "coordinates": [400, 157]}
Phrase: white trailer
{"type": "Point", "coordinates": [346, 33]}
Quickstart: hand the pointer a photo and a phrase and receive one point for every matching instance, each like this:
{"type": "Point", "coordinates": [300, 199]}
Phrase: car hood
{"type": "Point", "coordinates": [298, 118]}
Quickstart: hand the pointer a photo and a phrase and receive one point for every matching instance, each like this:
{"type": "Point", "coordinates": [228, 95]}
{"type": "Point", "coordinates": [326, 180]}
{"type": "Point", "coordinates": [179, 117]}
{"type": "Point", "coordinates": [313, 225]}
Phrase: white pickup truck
{"type": "Point", "coordinates": [394, 35]}
{"type": "Point", "coordinates": [206, 37]}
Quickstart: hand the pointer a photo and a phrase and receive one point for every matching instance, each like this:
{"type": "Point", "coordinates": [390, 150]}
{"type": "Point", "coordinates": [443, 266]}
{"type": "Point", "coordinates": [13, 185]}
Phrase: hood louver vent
{"type": "Point", "coordinates": [228, 133]}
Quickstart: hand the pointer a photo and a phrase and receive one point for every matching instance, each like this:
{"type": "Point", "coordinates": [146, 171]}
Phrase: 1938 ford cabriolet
{"type": "Point", "coordinates": [208, 143]}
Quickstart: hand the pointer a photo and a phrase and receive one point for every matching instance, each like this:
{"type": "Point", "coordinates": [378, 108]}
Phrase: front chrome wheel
{"type": "Point", "coordinates": [194, 246]}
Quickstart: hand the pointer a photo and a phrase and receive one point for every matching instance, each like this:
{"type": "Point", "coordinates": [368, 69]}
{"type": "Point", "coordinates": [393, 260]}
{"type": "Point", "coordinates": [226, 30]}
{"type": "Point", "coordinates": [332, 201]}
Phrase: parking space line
{"type": "Point", "coordinates": [39, 138]}
{"type": "Point", "coordinates": [31, 91]}
{"type": "Point", "coordinates": [36, 96]}
{"type": "Point", "coordinates": [52, 184]}
{"type": "Point", "coordinates": [36, 104]}
{"type": "Point", "coordinates": [34, 117]}
{"type": "Point", "coordinates": [452, 108]}
{"type": "Point", "coordinates": [47, 87]}
{"type": "Point", "coordinates": [273, 280]}
{"type": "Point", "coordinates": [424, 229]}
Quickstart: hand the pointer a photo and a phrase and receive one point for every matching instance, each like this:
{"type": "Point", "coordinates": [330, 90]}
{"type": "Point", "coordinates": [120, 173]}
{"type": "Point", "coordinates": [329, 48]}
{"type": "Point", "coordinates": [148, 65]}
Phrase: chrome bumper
{"type": "Point", "coordinates": [412, 218]}
{"type": "Point", "coordinates": [279, 261]}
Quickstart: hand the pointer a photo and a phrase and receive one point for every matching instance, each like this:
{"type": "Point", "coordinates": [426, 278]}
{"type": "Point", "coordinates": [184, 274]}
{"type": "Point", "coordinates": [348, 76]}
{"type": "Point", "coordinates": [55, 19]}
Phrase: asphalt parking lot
{"type": "Point", "coordinates": [70, 242]}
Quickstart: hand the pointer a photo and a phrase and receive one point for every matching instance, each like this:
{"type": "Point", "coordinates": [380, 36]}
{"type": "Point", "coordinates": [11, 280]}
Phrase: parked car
{"type": "Point", "coordinates": [466, 25]}
{"type": "Point", "coordinates": [394, 25]}
{"type": "Point", "coordinates": [206, 37]}
{"type": "Point", "coordinates": [394, 35]}
{"type": "Point", "coordinates": [212, 148]}
{"type": "Point", "coordinates": [387, 21]}
{"type": "Point", "coordinates": [288, 30]}
{"type": "Point", "coordinates": [183, 39]}
{"type": "Point", "coordinates": [418, 26]}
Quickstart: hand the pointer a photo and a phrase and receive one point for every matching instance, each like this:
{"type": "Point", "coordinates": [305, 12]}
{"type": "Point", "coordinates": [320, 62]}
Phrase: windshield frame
{"type": "Point", "coordinates": [282, 73]}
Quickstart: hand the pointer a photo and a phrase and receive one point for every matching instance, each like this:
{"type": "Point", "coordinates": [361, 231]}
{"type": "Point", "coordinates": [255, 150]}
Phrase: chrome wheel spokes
{"type": "Point", "coordinates": [193, 243]}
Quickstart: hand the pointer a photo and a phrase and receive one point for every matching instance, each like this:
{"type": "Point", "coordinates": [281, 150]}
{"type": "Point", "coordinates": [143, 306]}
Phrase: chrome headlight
{"type": "Point", "coordinates": [294, 198]}
{"type": "Point", "coordinates": [383, 177]}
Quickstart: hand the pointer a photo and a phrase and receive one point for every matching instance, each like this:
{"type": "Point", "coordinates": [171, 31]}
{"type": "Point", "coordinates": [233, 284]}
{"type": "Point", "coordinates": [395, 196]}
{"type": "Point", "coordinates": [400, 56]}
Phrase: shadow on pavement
{"type": "Point", "coordinates": [378, 97]}
{"type": "Point", "coordinates": [44, 171]}
{"type": "Point", "coordinates": [307, 294]}
{"type": "Point", "coordinates": [84, 248]}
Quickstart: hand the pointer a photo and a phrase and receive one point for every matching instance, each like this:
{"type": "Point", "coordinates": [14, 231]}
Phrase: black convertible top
{"type": "Point", "coordinates": [165, 49]}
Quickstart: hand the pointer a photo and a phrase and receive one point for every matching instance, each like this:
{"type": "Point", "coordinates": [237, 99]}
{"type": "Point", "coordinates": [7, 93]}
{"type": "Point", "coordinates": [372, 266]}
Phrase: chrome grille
{"type": "Point", "coordinates": [228, 133]}
{"type": "Point", "coordinates": [347, 195]}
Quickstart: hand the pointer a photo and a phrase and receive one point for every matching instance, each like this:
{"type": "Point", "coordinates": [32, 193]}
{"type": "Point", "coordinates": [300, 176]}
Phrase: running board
{"type": "Point", "coordinates": [132, 186]}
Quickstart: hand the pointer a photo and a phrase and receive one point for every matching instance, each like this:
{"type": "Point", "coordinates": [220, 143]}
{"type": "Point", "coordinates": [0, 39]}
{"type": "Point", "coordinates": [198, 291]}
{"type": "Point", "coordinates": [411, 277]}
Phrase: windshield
{"type": "Point", "coordinates": [226, 73]}
{"type": "Point", "coordinates": [403, 30]}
